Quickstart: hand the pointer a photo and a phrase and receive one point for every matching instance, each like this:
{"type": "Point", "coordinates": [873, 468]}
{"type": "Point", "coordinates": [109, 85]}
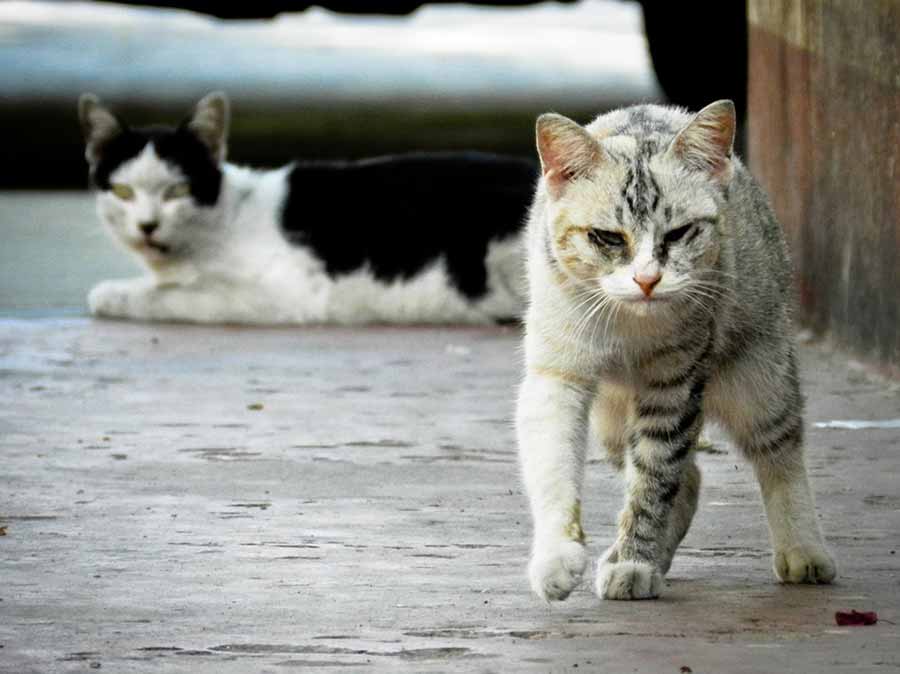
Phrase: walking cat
{"type": "Point", "coordinates": [659, 298]}
{"type": "Point", "coordinates": [416, 238]}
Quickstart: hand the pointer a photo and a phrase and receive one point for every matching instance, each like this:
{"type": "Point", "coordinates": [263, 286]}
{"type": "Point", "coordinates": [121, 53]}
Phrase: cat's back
{"type": "Point", "coordinates": [471, 190]}
{"type": "Point", "coordinates": [759, 236]}
{"type": "Point", "coordinates": [397, 215]}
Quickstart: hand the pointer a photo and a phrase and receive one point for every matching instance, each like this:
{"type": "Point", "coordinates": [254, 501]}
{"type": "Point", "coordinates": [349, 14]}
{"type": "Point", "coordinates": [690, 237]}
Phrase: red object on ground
{"type": "Point", "coordinates": [856, 618]}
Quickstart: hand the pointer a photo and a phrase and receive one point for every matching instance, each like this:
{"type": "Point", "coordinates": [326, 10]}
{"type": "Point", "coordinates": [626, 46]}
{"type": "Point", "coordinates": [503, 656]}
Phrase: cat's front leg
{"type": "Point", "coordinates": [125, 298]}
{"type": "Point", "coordinates": [661, 489]}
{"type": "Point", "coordinates": [145, 299]}
{"type": "Point", "coordinates": [770, 434]}
{"type": "Point", "coordinates": [551, 425]}
{"type": "Point", "coordinates": [799, 555]}
{"type": "Point", "coordinates": [613, 416]}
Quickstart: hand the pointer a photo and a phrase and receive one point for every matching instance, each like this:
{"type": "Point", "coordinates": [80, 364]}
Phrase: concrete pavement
{"type": "Point", "coordinates": [224, 500]}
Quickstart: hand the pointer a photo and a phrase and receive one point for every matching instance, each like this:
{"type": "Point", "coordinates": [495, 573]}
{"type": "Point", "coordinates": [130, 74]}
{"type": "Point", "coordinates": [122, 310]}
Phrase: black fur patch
{"type": "Point", "coordinates": [176, 146]}
{"type": "Point", "coordinates": [641, 191]}
{"type": "Point", "coordinates": [398, 214]}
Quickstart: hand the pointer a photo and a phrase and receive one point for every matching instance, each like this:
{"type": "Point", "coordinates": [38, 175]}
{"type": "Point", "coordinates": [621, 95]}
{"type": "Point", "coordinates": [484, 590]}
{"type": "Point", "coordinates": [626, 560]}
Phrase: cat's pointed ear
{"type": "Point", "coordinates": [98, 125]}
{"type": "Point", "coordinates": [566, 150]}
{"type": "Point", "coordinates": [706, 143]}
{"type": "Point", "coordinates": [210, 123]}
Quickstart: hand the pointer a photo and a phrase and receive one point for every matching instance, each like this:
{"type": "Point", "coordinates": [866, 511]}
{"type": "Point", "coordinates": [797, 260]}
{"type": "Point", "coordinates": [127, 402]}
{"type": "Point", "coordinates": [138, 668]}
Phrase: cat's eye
{"type": "Point", "coordinates": [603, 237]}
{"type": "Point", "coordinates": [678, 233]}
{"type": "Point", "coordinates": [123, 191]}
{"type": "Point", "coordinates": [176, 191]}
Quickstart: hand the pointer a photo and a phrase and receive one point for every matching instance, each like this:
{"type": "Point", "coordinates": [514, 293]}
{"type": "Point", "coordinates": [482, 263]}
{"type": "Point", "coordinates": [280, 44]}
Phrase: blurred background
{"type": "Point", "coordinates": [354, 78]}
{"type": "Point", "coordinates": [326, 83]}
{"type": "Point", "coordinates": [339, 79]}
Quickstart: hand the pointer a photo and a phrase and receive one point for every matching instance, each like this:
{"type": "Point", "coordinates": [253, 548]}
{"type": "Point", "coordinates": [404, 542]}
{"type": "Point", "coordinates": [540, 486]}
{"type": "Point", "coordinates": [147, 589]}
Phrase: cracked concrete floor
{"type": "Point", "coordinates": [180, 498]}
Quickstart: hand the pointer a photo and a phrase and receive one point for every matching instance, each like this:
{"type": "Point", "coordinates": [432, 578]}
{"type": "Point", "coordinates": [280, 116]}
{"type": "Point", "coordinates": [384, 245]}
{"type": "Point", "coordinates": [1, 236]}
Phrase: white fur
{"type": "Point", "coordinates": [628, 580]}
{"type": "Point", "coordinates": [230, 263]}
{"type": "Point", "coordinates": [551, 466]}
{"type": "Point", "coordinates": [556, 568]}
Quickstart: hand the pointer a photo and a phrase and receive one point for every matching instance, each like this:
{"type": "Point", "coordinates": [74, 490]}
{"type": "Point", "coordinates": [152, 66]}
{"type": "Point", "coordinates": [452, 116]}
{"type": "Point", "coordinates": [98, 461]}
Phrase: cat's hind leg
{"type": "Point", "coordinates": [611, 413]}
{"type": "Point", "coordinates": [761, 405]}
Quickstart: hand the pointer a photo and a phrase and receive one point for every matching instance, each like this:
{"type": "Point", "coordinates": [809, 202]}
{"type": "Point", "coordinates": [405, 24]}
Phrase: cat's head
{"type": "Point", "coordinates": [154, 182]}
{"type": "Point", "coordinates": [634, 203]}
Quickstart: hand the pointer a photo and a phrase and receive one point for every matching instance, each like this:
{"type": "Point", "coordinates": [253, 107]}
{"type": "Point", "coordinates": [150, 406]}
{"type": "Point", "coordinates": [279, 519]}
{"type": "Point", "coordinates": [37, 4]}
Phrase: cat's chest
{"type": "Point", "coordinates": [620, 365]}
{"type": "Point", "coordinates": [630, 363]}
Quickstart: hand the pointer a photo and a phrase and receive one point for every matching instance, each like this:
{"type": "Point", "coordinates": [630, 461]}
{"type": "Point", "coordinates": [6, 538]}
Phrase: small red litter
{"type": "Point", "coordinates": [855, 618]}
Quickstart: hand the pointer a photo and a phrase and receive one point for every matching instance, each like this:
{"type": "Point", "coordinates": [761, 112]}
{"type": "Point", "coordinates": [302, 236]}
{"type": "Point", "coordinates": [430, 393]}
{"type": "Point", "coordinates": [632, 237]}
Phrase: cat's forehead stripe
{"type": "Point", "coordinates": [147, 170]}
{"type": "Point", "coordinates": [640, 191]}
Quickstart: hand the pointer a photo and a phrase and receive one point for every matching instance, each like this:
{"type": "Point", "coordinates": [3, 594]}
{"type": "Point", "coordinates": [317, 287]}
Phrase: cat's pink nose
{"type": "Point", "coordinates": [647, 282]}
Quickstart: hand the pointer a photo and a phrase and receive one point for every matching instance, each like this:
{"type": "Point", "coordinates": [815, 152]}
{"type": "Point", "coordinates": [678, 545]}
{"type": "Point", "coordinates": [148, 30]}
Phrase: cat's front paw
{"type": "Point", "coordinates": [627, 580]}
{"type": "Point", "coordinates": [556, 569]}
{"type": "Point", "coordinates": [110, 299]}
{"type": "Point", "coordinates": [808, 563]}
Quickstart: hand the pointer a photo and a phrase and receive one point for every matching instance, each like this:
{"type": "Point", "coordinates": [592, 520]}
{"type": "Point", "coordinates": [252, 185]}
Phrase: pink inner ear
{"type": "Point", "coordinates": [551, 162]}
{"type": "Point", "coordinates": [706, 143]}
{"type": "Point", "coordinates": [566, 154]}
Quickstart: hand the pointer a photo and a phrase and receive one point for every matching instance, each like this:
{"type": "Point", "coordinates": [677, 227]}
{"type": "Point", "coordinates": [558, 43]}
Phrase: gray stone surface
{"type": "Point", "coordinates": [244, 500]}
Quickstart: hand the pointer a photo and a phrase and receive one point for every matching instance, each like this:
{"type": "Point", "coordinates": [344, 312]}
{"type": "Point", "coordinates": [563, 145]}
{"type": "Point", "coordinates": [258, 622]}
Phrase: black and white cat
{"type": "Point", "coordinates": [416, 238]}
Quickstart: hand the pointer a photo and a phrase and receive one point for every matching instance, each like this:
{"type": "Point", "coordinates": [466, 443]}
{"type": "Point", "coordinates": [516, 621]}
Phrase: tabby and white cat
{"type": "Point", "coordinates": [418, 238]}
{"type": "Point", "coordinates": [660, 297]}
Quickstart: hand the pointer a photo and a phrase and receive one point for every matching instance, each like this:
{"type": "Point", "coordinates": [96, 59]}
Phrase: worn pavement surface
{"type": "Point", "coordinates": [177, 498]}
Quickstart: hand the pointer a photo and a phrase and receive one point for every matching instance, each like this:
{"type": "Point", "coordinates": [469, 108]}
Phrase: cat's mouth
{"type": "Point", "coordinates": [643, 300]}
{"type": "Point", "coordinates": [161, 247]}
{"type": "Point", "coordinates": [649, 306]}
{"type": "Point", "coordinates": [145, 245]}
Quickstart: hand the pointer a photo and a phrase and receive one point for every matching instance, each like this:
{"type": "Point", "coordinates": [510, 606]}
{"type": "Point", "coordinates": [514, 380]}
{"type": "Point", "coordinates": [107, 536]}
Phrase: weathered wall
{"type": "Point", "coordinates": [824, 139]}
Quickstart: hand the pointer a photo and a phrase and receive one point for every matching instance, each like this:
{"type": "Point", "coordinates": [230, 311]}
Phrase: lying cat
{"type": "Point", "coordinates": [417, 238]}
{"type": "Point", "coordinates": [660, 297]}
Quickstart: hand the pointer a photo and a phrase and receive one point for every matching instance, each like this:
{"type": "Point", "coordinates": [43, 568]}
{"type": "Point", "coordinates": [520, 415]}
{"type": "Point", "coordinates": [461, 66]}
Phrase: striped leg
{"type": "Point", "coordinates": [612, 415]}
{"type": "Point", "coordinates": [682, 512]}
{"type": "Point", "coordinates": [662, 484]}
{"type": "Point", "coordinates": [769, 431]}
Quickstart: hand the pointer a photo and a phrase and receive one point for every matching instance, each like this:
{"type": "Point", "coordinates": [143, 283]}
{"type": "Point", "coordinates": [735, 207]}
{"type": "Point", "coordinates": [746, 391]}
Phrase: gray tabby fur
{"type": "Point", "coordinates": [660, 298]}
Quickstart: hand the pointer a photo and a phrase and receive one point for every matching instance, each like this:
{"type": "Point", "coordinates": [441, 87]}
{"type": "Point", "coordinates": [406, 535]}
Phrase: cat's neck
{"type": "Point", "coordinates": [246, 188]}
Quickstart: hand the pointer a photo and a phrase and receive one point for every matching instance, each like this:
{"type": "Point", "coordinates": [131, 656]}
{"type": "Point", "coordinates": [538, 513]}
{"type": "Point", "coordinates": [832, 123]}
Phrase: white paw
{"type": "Point", "coordinates": [628, 580]}
{"type": "Point", "coordinates": [110, 298]}
{"type": "Point", "coordinates": [808, 563]}
{"type": "Point", "coordinates": [555, 570]}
